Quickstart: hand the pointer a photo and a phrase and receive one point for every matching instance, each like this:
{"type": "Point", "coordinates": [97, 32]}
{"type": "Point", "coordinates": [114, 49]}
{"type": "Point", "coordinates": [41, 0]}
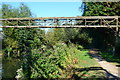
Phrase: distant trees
{"type": "Point", "coordinates": [68, 35]}
{"type": "Point", "coordinates": [9, 12]}
{"type": "Point", "coordinates": [78, 36]}
{"type": "Point", "coordinates": [103, 37]}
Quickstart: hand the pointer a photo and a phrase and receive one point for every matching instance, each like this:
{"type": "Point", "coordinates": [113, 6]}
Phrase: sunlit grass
{"type": "Point", "coordinates": [80, 59]}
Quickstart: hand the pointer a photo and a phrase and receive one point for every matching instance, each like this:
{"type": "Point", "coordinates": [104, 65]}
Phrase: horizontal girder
{"type": "Point", "coordinates": [52, 22]}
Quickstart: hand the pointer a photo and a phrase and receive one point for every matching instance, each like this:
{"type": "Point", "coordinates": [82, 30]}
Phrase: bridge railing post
{"type": "Point", "coordinates": [100, 21]}
{"type": "Point", "coordinates": [85, 22]}
{"type": "Point", "coordinates": [116, 36]}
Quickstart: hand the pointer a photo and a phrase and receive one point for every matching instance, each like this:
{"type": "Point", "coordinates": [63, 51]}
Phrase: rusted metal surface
{"type": "Point", "coordinates": [52, 22]}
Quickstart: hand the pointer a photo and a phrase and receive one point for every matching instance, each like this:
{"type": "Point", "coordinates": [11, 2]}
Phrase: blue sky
{"type": "Point", "coordinates": [52, 9]}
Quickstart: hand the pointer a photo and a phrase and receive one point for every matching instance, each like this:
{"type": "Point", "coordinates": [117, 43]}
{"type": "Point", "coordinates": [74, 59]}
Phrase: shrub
{"type": "Point", "coordinates": [47, 63]}
{"type": "Point", "coordinates": [80, 47]}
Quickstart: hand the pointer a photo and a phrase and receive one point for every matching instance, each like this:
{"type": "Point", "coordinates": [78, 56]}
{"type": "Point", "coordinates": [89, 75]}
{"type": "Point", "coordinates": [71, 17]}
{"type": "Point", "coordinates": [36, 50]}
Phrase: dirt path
{"type": "Point", "coordinates": [110, 69]}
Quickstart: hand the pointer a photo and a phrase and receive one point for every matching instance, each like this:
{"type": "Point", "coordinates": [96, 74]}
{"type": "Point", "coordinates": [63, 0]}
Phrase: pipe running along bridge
{"type": "Point", "coordinates": [56, 22]}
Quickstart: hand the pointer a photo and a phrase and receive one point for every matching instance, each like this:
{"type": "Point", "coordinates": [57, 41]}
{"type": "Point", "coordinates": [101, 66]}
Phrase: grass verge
{"type": "Point", "coordinates": [81, 65]}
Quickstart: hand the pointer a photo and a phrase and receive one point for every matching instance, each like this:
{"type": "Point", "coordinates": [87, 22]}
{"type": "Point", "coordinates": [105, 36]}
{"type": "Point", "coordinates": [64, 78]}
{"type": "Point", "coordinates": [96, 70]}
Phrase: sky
{"type": "Point", "coordinates": [52, 9]}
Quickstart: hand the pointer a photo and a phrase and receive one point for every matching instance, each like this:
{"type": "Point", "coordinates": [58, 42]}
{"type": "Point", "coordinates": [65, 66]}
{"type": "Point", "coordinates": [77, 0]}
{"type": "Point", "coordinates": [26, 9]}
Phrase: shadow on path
{"type": "Point", "coordinates": [109, 76]}
{"type": "Point", "coordinates": [111, 70]}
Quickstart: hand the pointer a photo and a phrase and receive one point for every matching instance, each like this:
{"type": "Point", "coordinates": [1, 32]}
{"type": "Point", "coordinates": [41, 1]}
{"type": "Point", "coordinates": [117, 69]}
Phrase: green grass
{"type": "Point", "coordinates": [84, 60]}
{"type": "Point", "coordinates": [110, 58]}
{"type": "Point", "coordinates": [81, 60]}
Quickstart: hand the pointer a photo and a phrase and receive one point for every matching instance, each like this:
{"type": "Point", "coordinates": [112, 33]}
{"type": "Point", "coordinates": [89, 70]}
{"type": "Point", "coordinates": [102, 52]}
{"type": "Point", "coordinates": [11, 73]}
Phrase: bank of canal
{"type": "Point", "coordinates": [9, 67]}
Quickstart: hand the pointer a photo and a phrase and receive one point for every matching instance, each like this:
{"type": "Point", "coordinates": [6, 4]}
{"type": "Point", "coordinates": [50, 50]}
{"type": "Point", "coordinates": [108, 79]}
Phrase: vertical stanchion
{"type": "Point", "coordinates": [17, 23]}
{"type": "Point", "coordinates": [29, 23]}
{"type": "Point", "coordinates": [101, 22]}
{"type": "Point", "coordinates": [85, 22]}
{"type": "Point", "coordinates": [116, 37]}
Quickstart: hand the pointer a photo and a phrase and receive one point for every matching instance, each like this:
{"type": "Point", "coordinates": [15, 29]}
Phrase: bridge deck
{"type": "Point", "coordinates": [52, 22]}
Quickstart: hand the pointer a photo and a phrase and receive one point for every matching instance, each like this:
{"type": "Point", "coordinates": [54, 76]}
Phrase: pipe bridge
{"type": "Point", "coordinates": [56, 22]}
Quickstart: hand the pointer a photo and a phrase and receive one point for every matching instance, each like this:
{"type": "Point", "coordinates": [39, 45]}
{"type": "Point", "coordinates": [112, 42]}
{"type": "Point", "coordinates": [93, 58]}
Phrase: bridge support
{"type": "Point", "coordinates": [55, 22]}
{"type": "Point", "coordinates": [117, 32]}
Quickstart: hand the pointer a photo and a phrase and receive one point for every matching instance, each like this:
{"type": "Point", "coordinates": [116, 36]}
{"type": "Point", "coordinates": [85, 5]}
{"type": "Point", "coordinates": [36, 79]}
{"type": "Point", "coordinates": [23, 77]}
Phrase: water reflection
{"type": "Point", "coordinates": [10, 67]}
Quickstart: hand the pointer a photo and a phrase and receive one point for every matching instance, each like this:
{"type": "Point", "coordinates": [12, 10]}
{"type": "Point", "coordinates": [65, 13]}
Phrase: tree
{"type": "Point", "coordinates": [68, 35]}
{"type": "Point", "coordinates": [101, 8]}
{"type": "Point", "coordinates": [24, 11]}
{"type": "Point", "coordinates": [21, 40]}
{"type": "Point", "coordinates": [106, 35]}
{"type": "Point", "coordinates": [19, 35]}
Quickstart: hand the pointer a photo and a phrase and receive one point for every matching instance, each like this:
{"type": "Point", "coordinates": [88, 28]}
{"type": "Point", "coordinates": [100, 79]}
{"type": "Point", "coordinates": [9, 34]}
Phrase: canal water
{"type": "Point", "coordinates": [0, 65]}
{"type": "Point", "coordinates": [9, 67]}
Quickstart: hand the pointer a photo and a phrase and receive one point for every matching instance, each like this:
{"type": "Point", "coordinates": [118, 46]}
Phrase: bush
{"type": "Point", "coordinates": [80, 47]}
{"type": "Point", "coordinates": [47, 63]}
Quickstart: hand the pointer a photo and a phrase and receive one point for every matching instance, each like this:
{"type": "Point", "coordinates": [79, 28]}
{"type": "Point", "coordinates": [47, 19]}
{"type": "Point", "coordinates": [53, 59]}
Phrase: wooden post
{"type": "Point", "coordinates": [85, 22]}
{"type": "Point", "coordinates": [116, 40]}
{"type": "Point", "coordinates": [17, 22]}
{"type": "Point", "coordinates": [101, 22]}
{"type": "Point", "coordinates": [116, 37]}
{"type": "Point", "coordinates": [29, 23]}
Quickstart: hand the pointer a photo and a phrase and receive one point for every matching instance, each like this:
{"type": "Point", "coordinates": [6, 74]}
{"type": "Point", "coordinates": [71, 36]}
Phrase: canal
{"type": "Point", "coordinates": [9, 67]}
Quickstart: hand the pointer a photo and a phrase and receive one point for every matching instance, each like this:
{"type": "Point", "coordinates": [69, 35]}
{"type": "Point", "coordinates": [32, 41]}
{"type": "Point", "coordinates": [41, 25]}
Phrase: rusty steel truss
{"type": "Point", "coordinates": [55, 22]}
